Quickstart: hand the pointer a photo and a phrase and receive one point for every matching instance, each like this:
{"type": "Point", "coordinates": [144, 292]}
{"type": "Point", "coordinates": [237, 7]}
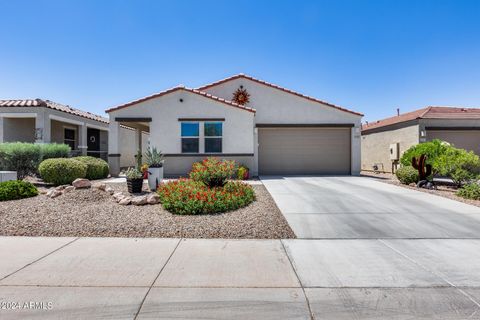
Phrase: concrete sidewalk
{"type": "Point", "coordinates": [119, 278]}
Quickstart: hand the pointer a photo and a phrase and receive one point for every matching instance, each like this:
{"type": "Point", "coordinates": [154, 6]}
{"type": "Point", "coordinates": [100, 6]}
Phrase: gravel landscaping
{"type": "Point", "coordinates": [442, 190]}
{"type": "Point", "coordinates": [94, 213]}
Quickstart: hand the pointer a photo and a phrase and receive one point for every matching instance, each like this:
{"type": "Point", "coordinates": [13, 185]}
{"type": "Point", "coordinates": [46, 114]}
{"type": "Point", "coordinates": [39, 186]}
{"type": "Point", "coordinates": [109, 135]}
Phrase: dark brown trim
{"type": "Point", "coordinates": [453, 128]}
{"type": "Point", "coordinates": [209, 155]}
{"type": "Point", "coordinates": [114, 155]}
{"type": "Point", "coordinates": [305, 125]}
{"type": "Point", "coordinates": [132, 119]}
{"type": "Point", "coordinates": [394, 126]}
{"type": "Point", "coordinates": [201, 119]}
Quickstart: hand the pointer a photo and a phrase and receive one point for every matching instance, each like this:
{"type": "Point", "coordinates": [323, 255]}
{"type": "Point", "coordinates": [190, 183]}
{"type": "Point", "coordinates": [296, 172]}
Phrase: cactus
{"type": "Point", "coordinates": [424, 170]}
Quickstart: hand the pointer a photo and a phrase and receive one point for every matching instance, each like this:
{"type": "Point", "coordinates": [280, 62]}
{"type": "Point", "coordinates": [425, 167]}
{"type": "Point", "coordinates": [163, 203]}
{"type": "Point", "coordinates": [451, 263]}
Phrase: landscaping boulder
{"type": "Point", "coordinates": [68, 189]}
{"type": "Point", "coordinates": [110, 190]}
{"type": "Point", "coordinates": [118, 196]}
{"type": "Point", "coordinates": [139, 200]}
{"type": "Point", "coordinates": [125, 201]}
{"type": "Point", "coordinates": [81, 183]}
{"type": "Point", "coordinates": [53, 193]}
{"type": "Point", "coordinates": [153, 198]}
{"type": "Point", "coordinates": [100, 186]}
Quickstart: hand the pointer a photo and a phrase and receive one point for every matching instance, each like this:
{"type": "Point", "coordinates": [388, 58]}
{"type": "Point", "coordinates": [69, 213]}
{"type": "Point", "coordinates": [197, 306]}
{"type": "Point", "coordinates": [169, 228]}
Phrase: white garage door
{"type": "Point", "coordinates": [296, 151]}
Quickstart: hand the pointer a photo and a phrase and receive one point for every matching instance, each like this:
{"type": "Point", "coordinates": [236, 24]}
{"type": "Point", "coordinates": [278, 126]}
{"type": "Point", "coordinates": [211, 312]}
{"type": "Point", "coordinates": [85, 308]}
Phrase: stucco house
{"type": "Point", "coordinates": [44, 121]}
{"type": "Point", "coordinates": [272, 130]}
{"type": "Point", "coordinates": [384, 141]}
{"type": "Point", "coordinates": [41, 121]}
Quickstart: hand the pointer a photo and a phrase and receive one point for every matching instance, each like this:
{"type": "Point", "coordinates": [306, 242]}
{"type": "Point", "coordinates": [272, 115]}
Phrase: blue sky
{"type": "Point", "coordinates": [370, 56]}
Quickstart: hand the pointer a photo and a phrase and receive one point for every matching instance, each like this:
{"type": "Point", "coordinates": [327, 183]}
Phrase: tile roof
{"type": "Point", "coordinates": [241, 75]}
{"type": "Point", "coordinates": [195, 91]}
{"type": "Point", "coordinates": [432, 112]}
{"type": "Point", "coordinates": [51, 105]}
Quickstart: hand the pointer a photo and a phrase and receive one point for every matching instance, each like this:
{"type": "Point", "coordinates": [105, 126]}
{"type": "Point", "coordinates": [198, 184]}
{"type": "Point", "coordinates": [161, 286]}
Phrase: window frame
{"type": "Point", "coordinates": [205, 137]}
{"type": "Point", "coordinates": [190, 137]}
{"type": "Point", "coordinates": [74, 140]}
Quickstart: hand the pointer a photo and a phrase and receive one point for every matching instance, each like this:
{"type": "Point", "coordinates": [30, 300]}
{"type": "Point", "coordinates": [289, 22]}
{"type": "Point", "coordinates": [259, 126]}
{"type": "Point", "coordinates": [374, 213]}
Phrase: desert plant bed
{"type": "Point", "coordinates": [94, 213]}
{"type": "Point", "coordinates": [449, 192]}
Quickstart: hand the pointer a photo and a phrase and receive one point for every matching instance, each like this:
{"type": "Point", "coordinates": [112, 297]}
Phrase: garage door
{"type": "Point", "coordinates": [464, 139]}
{"type": "Point", "coordinates": [290, 151]}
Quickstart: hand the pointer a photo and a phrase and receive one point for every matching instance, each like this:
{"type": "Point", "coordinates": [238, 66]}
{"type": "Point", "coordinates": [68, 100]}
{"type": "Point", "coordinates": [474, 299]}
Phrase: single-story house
{"type": "Point", "coordinates": [44, 121]}
{"type": "Point", "coordinates": [384, 141]}
{"type": "Point", "coordinates": [270, 129]}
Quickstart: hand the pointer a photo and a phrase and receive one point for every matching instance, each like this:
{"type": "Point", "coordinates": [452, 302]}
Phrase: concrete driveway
{"type": "Point", "coordinates": [364, 208]}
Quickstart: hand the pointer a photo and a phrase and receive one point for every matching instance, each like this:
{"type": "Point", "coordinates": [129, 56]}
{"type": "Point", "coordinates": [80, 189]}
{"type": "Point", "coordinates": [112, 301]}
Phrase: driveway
{"type": "Point", "coordinates": [363, 208]}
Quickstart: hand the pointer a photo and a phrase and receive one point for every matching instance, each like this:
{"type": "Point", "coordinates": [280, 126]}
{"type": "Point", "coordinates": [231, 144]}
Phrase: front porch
{"type": "Point", "coordinates": [42, 127]}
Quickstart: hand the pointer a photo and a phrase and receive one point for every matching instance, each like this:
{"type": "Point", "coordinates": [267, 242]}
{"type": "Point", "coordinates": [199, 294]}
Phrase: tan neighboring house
{"type": "Point", "coordinates": [384, 141]}
{"type": "Point", "coordinates": [44, 121]}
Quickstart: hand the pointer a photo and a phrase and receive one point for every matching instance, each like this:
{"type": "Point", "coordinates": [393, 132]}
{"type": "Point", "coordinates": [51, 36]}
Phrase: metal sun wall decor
{"type": "Point", "coordinates": [241, 96]}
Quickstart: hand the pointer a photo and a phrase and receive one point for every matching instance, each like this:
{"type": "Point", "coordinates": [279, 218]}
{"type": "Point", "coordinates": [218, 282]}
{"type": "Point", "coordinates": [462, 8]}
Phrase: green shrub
{"type": "Point", "coordinates": [470, 191]}
{"type": "Point", "coordinates": [187, 196]}
{"type": "Point", "coordinates": [25, 157]}
{"type": "Point", "coordinates": [96, 167]}
{"type": "Point", "coordinates": [14, 190]}
{"type": "Point", "coordinates": [460, 165]}
{"type": "Point", "coordinates": [54, 150]}
{"type": "Point", "coordinates": [407, 174]}
{"type": "Point", "coordinates": [243, 173]}
{"type": "Point", "coordinates": [432, 149]}
{"type": "Point", "coordinates": [62, 171]}
{"type": "Point", "coordinates": [212, 171]}
{"type": "Point", "coordinates": [21, 157]}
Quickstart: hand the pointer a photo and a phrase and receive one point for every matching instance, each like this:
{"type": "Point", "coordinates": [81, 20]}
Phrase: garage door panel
{"type": "Point", "coordinates": [464, 139]}
{"type": "Point", "coordinates": [304, 150]}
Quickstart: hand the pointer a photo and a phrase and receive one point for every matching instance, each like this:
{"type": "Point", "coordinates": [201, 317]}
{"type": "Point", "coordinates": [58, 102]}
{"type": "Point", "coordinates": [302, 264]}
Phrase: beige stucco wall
{"type": "Point", "coordinates": [18, 129]}
{"type": "Point", "coordinates": [128, 146]}
{"type": "Point", "coordinates": [57, 133]}
{"type": "Point", "coordinates": [376, 146]}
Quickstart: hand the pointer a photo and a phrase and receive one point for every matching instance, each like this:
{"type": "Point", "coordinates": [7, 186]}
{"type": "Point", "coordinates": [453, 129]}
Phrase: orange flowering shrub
{"type": "Point", "coordinates": [186, 196]}
{"type": "Point", "coordinates": [213, 172]}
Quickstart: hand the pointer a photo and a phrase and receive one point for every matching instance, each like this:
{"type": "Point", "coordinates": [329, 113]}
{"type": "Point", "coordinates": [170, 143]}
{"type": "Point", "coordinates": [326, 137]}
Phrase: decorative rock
{"type": "Point", "coordinates": [118, 195]}
{"type": "Point", "coordinates": [100, 186]}
{"type": "Point", "coordinates": [68, 189]}
{"type": "Point", "coordinates": [60, 188]}
{"type": "Point", "coordinates": [139, 201]}
{"type": "Point", "coordinates": [153, 198]}
{"type": "Point", "coordinates": [81, 183]}
{"type": "Point", "coordinates": [110, 190]}
{"type": "Point", "coordinates": [53, 193]}
{"type": "Point", "coordinates": [125, 201]}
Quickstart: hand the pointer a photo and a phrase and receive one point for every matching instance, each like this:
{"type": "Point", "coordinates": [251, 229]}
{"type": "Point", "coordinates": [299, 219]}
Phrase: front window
{"type": "Point", "coordinates": [213, 137]}
{"type": "Point", "coordinates": [69, 137]}
{"type": "Point", "coordinates": [190, 137]}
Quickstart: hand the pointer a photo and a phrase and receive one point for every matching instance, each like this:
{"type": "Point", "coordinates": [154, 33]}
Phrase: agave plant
{"type": "Point", "coordinates": [133, 173]}
{"type": "Point", "coordinates": [154, 158]}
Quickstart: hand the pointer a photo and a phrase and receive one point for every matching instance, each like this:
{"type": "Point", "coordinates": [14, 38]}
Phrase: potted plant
{"type": "Point", "coordinates": [134, 180]}
{"type": "Point", "coordinates": [154, 160]}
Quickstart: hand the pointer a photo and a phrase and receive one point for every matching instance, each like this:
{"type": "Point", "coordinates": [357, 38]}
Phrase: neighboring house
{"type": "Point", "coordinates": [270, 129]}
{"type": "Point", "coordinates": [44, 121]}
{"type": "Point", "coordinates": [384, 141]}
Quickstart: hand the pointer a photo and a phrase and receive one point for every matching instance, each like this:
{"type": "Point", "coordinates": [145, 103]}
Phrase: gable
{"type": "Point", "coordinates": [278, 105]}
